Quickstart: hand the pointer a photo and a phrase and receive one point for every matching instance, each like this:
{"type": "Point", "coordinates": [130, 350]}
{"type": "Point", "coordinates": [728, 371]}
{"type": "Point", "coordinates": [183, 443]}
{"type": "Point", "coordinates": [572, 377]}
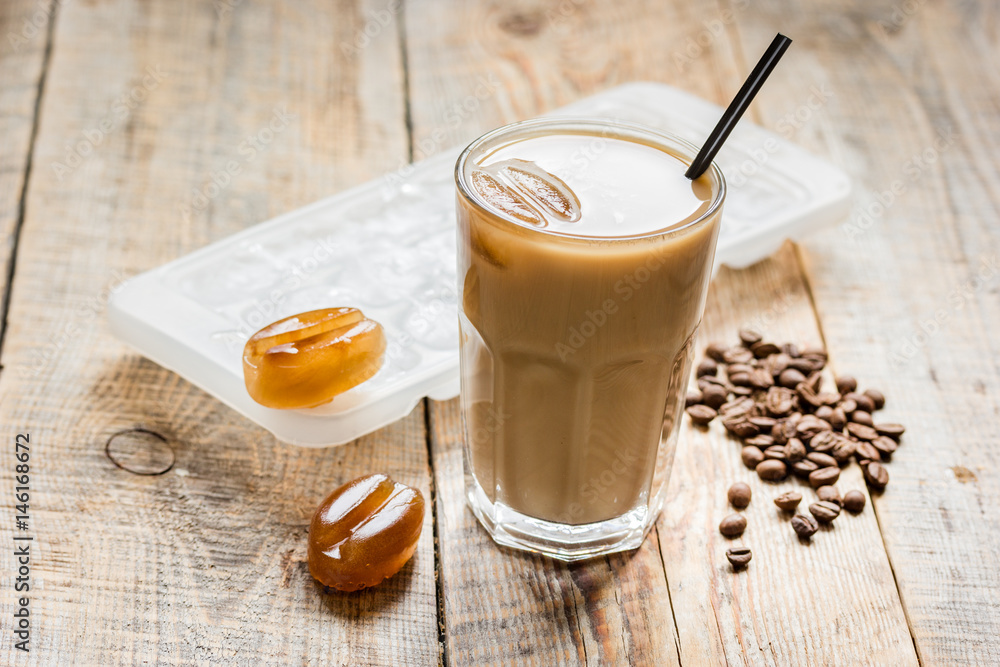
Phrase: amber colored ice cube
{"type": "Point", "coordinates": [364, 532]}
{"type": "Point", "coordinates": [305, 360]}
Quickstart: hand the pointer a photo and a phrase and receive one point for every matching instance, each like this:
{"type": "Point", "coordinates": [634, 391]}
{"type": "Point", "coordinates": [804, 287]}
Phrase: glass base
{"type": "Point", "coordinates": [557, 540]}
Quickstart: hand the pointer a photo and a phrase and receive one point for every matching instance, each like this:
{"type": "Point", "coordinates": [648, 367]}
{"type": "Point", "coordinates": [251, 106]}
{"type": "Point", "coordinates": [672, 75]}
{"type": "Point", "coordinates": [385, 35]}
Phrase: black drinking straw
{"type": "Point", "coordinates": [739, 104]}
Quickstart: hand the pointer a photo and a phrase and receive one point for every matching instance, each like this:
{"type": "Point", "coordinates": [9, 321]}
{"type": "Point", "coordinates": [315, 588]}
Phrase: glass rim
{"type": "Point", "coordinates": [664, 140]}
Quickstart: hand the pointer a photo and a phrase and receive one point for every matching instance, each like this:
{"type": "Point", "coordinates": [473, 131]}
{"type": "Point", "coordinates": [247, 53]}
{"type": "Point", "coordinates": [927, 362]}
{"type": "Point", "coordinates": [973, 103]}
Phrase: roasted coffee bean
{"type": "Point", "coordinates": [824, 511]}
{"type": "Point", "coordinates": [886, 446]}
{"type": "Point", "coordinates": [715, 352]}
{"type": "Point", "coordinates": [694, 397]}
{"type": "Point", "coordinates": [779, 401]}
{"type": "Point", "coordinates": [828, 398]}
{"type": "Point", "coordinates": [737, 355]}
{"type": "Point", "coordinates": [894, 431]}
{"type": "Point", "coordinates": [763, 423]}
{"type": "Point", "coordinates": [822, 460]}
{"type": "Point", "coordinates": [824, 476]}
{"type": "Point", "coordinates": [810, 426]}
{"type": "Point", "coordinates": [714, 396]}
{"type": "Point", "coordinates": [733, 525]}
{"type": "Point", "coordinates": [848, 405]}
{"type": "Point", "coordinates": [739, 495]}
{"type": "Point", "coordinates": [740, 379]}
{"type": "Point", "coordinates": [791, 423]}
{"type": "Point", "coordinates": [701, 414]}
{"type": "Point", "coordinates": [824, 412]}
{"type": "Point", "coordinates": [740, 427]}
{"type": "Point", "coordinates": [861, 432]}
{"type": "Point", "coordinates": [830, 494]}
{"type": "Point", "coordinates": [878, 398]}
{"type": "Point", "coordinates": [791, 378]}
{"type": "Point", "coordinates": [761, 379]}
{"type": "Point", "coordinates": [707, 367]}
{"type": "Point", "coordinates": [739, 557]}
{"type": "Point", "coordinates": [838, 419]}
{"type": "Point", "coordinates": [843, 450]}
{"type": "Point", "coordinates": [824, 441]}
{"type": "Point", "coordinates": [778, 433]}
{"type": "Point", "coordinates": [804, 468]}
{"type": "Point", "coordinates": [864, 403]}
{"type": "Point", "coordinates": [763, 349]}
{"type": "Point", "coordinates": [762, 441]}
{"type": "Point", "coordinates": [875, 474]}
{"type": "Point", "coordinates": [751, 457]}
{"type": "Point", "coordinates": [803, 365]}
{"type": "Point", "coordinates": [804, 526]}
{"type": "Point", "coordinates": [854, 501]}
{"type": "Point", "coordinates": [795, 450]}
{"type": "Point", "coordinates": [772, 470]}
{"type": "Point", "coordinates": [864, 418]}
{"type": "Point", "coordinates": [818, 361]}
{"type": "Point", "coordinates": [776, 452]}
{"type": "Point", "coordinates": [807, 395]}
{"type": "Point", "coordinates": [846, 384]}
{"type": "Point", "coordinates": [776, 364]}
{"type": "Point", "coordinates": [865, 451]}
{"type": "Point", "coordinates": [737, 407]}
{"type": "Point", "coordinates": [748, 337]}
{"type": "Point", "coordinates": [788, 500]}
{"type": "Point", "coordinates": [742, 391]}
{"type": "Point", "coordinates": [791, 349]}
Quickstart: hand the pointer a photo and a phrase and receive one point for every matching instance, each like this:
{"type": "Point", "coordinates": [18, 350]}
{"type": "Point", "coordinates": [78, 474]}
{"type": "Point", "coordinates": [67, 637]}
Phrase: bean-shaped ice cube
{"type": "Point", "coordinates": [525, 191]}
{"type": "Point", "coordinates": [364, 532]}
{"type": "Point", "coordinates": [305, 360]}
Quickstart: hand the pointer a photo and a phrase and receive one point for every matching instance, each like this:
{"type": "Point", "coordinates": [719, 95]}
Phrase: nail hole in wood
{"type": "Point", "coordinates": [140, 452]}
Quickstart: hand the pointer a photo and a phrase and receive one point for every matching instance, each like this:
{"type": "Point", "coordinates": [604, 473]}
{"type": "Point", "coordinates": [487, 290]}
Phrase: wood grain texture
{"type": "Point", "coordinates": [144, 105]}
{"type": "Point", "coordinates": [831, 601]}
{"type": "Point", "coordinates": [907, 290]}
{"type": "Point", "coordinates": [203, 564]}
{"type": "Point", "coordinates": [24, 38]}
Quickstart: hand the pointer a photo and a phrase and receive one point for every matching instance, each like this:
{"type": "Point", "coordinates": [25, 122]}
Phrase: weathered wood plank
{"type": "Point", "coordinates": [791, 590]}
{"type": "Point", "coordinates": [796, 604]}
{"type": "Point", "coordinates": [831, 601]}
{"type": "Point", "coordinates": [204, 563]}
{"type": "Point", "coordinates": [24, 38]}
{"type": "Point", "coordinates": [473, 67]}
{"type": "Point", "coordinates": [907, 289]}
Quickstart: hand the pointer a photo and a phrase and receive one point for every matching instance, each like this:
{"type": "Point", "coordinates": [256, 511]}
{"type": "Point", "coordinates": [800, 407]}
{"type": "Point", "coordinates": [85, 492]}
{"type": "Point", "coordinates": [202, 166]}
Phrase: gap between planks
{"type": "Point", "coordinates": [438, 570]}
{"type": "Point", "coordinates": [15, 235]}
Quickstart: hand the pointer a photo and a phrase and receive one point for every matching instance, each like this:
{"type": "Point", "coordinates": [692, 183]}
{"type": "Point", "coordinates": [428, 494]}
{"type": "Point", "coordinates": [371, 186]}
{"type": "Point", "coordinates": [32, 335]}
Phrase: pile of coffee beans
{"type": "Point", "coordinates": [771, 397]}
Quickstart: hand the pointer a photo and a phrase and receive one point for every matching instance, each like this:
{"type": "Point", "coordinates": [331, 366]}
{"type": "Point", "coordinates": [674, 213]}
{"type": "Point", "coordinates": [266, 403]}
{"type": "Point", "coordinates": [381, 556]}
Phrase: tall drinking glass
{"type": "Point", "coordinates": [584, 257]}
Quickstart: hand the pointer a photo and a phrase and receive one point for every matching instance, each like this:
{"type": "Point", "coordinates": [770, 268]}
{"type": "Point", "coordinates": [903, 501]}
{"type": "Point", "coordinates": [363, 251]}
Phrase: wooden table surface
{"type": "Point", "coordinates": [117, 115]}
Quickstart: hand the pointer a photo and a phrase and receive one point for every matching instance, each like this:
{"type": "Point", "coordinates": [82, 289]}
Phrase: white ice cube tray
{"type": "Point", "coordinates": [388, 248]}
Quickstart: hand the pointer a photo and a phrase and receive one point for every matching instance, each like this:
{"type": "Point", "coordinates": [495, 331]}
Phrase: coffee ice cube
{"type": "Point", "coordinates": [525, 191]}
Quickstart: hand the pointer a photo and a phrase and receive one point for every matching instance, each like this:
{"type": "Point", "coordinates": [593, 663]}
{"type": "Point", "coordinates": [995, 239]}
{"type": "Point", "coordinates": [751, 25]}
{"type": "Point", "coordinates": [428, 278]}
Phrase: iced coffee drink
{"type": "Point", "coordinates": [584, 261]}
